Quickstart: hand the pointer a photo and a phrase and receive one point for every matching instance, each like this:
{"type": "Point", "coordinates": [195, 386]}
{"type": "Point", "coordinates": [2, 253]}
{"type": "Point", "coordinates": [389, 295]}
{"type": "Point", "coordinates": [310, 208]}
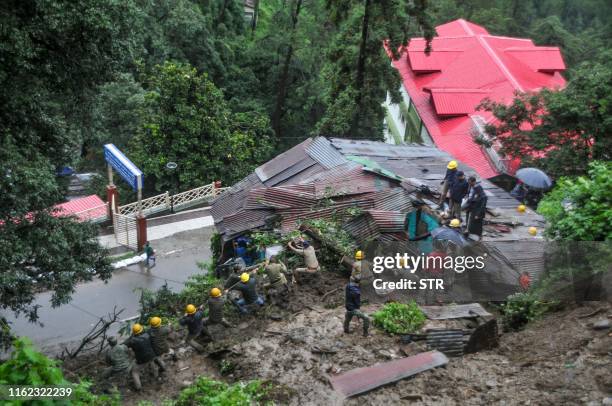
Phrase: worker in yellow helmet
{"type": "Point", "coordinates": [449, 178]}
{"type": "Point", "coordinates": [248, 288]}
{"type": "Point", "coordinates": [140, 343]}
{"type": "Point", "coordinates": [216, 303]}
{"type": "Point", "coordinates": [357, 267]}
{"type": "Point", "coordinates": [194, 320]}
{"type": "Point", "coordinates": [159, 336]}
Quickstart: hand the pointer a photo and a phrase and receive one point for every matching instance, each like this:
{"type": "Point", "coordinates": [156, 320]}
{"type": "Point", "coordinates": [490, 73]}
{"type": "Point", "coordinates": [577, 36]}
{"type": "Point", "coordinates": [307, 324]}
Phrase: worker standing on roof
{"type": "Point", "coordinates": [353, 304]}
{"type": "Point", "coordinates": [277, 281]}
{"type": "Point", "coordinates": [216, 303]}
{"type": "Point", "coordinates": [309, 254]}
{"type": "Point", "coordinates": [248, 288]}
{"type": "Point", "coordinates": [449, 178]}
{"type": "Point", "coordinates": [458, 190]}
{"type": "Point", "coordinates": [194, 320]}
{"type": "Point", "coordinates": [476, 207]}
{"type": "Point", "coordinates": [118, 357]}
{"type": "Point", "coordinates": [140, 343]}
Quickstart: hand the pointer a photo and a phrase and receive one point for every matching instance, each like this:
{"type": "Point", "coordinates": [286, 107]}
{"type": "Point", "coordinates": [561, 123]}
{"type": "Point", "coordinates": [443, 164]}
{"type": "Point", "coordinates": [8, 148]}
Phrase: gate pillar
{"type": "Point", "coordinates": [141, 231]}
{"type": "Point", "coordinates": [112, 197]}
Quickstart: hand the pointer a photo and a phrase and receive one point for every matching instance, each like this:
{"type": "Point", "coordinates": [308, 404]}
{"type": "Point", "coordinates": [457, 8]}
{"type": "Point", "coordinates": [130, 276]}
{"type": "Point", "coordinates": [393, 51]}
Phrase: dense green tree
{"type": "Point", "coordinates": [580, 209]}
{"type": "Point", "coordinates": [358, 72]}
{"type": "Point", "coordinates": [38, 250]}
{"type": "Point", "coordinates": [186, 120]}
{"type": "Point", "coordinates": [54, 56]}
{"type": "Point", "coordinates": [560, 131]}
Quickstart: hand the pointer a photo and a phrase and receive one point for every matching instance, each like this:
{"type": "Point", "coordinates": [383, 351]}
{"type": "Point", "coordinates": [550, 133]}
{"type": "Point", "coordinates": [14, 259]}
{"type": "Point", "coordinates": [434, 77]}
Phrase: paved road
{"type": "Point", "coordinates": [176, 261]}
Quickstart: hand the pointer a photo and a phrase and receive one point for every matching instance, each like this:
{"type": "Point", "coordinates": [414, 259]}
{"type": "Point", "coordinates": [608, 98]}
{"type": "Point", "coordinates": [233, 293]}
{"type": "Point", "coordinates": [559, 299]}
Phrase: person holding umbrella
{"type": "Point", "coordinates": [534, 182]}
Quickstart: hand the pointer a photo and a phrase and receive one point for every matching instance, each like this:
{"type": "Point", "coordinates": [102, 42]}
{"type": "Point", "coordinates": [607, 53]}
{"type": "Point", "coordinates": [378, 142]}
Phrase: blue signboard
{"type": "Point", "coordinates": [123, 166]}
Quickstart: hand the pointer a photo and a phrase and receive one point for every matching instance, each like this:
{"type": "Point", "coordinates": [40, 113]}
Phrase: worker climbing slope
{"type": "Point", "coordinates": [304, 248]}
{"type": "Point", "coordinates": [276, 284]}
{"type": "Point", "coordinates": [140, 343]}
{"type": "Point", "coordinates": [248, 288]}
{"type": "Point", "coordinates": [194, 320]}
{"type": "Point", "coordinates": [216, 303]}
{"type": "Point", "coordinates": [118, 357]}
{"type": "Point", "coordinates": [353, 304]}
{"type": "Point", "coordinates": [159, 336]}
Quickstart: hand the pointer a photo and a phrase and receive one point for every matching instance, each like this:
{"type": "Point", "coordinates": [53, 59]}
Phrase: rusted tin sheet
{"type": "Point", "coordinates": [361, 380]}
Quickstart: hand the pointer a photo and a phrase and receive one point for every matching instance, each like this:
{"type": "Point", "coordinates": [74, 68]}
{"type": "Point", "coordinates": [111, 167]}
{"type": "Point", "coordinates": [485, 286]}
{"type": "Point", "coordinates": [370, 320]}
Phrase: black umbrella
{"type": "Point", "coordinates": [534, 178]}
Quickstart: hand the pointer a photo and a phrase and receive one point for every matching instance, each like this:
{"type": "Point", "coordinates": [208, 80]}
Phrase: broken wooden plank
{"type": "Point", "coordinates": [364, 379]}
{"type": "Point", "coordinates": [454, 311]}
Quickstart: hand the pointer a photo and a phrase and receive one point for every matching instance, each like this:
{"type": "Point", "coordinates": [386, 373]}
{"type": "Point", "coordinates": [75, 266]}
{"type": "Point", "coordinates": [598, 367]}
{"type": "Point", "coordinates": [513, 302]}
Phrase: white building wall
{"type": "Point", "coordinates": [396, 114]}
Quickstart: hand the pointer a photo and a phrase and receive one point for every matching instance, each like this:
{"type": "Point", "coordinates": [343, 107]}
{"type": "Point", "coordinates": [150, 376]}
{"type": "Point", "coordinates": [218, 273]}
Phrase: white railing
{"type": "Point", "coordinates": [165, 201]}
{"type": "Point", "coordinates": [96, 214]}
{"type": "Point", "coordinates": [149, 205]}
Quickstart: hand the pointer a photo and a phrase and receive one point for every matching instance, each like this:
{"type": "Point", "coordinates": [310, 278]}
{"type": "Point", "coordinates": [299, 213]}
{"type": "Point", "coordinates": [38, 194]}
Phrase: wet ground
{"type": "Point", "coordinates": [176, 261]}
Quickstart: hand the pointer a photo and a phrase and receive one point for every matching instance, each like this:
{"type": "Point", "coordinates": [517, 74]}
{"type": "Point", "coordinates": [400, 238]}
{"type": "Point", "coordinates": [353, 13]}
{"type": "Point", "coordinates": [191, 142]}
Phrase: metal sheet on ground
{"type": "Point", "coordinates": [454, 312]}
{"type": "Point", "coordinates": [364, 379]}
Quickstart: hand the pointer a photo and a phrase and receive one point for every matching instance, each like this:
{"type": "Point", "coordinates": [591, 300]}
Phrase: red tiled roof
{"type": "Point", "coordinates": [466, 65]}
{"type": "Point", "coordinates": [82, 208]}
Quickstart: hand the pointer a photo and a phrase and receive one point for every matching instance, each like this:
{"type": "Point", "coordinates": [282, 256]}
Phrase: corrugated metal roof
{"type": "Point", "coordinates": [281, 197]}
{"type": "Point", "coordinates": [388, 221]}
{"type": "Point", "coordinates": [231, 201]}
{"type": "Point", "coordinates": [381, 149]}
{"type": "Point", "coordinates": [456, 101]}
{"type": "Point", "coordinates": [82, 204]}
{"type": "Point", "coordinates": [321, 150]}
{"type": "Point", "coordinates": [283, 161]}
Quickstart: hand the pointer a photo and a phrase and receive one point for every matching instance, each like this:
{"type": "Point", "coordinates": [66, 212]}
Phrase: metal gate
{"type": "Point", "coordinates": [125, 228]}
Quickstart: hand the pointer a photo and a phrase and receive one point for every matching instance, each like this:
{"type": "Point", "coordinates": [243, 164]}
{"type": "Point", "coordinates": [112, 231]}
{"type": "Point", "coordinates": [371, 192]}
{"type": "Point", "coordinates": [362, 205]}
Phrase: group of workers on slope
{"type": "Point", "coordinates": [151, 345]}
{"type": "Point", "coordinates": [455, 188]}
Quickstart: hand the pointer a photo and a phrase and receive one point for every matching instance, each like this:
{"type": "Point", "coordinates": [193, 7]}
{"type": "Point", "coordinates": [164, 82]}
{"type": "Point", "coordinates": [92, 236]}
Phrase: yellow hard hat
{"type": "Point", "coordinates": [155, 322]}
{"type": "Point", "coordinates": [215, 292]}
{"type": "Point", "coordinates": [137, 329]}
{"type": "Point", "coordinates": [190, 309]}
{"type": "Point", "coordinates": [452, 165]}
{"type": "Point", "coordinates": [245, 277]}
{"type": "Point", "coordinates": [533, 230]}
{"type": "Point", "coordinates": [455, 223]}
{"type": "Point", "coordinates": [359, 255]}
{"type": "Point", "coordinates": [521, 208]}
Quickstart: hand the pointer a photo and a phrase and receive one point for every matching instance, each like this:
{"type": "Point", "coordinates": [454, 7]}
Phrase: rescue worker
{"type": "Point", "coordinates": [248, 288]}
{"type": "Point", "coordinates": [215, 309]}
{"type": "Point", "coordinates": [159, 336]}
{"type": "Point", "coordinates": [476, 207]}
{"type": "Point", "coordinates": [234, 278]}
{"type": "Point", "coordinates": [277, 281]}
{"type": "Point", "coordinates": [194, 320]}
{"type": "Point", "coordinates": [118, 357]}
{"type": "Point", "coordinates": [140, 343]}
{"type": "Point", "coordinates": [356, 267]}
{"type": "Point", "coordinates": [449, 179]}
{"type": "Point", "coordinates": [352, 304]}
{"type": "Point", "coordinates": [309, 254]}
{"type": "Point", "coordinates": [458, 190]}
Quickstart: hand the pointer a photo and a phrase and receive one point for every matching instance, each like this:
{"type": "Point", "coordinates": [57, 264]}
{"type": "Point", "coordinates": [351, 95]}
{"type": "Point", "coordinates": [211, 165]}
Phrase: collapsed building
{"type": "Point", "coordinates": [380, 193]}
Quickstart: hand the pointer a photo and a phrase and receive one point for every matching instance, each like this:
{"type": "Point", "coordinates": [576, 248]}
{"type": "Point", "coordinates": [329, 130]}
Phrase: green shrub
{"type": "Point", "coordinates": [520, 309]}
{"type": "Point", "coordinates": [207, 392]}
{"type": "Point", "coordinates": [399, 318]}
{"type": "Point", "coordinates": [26, 366]}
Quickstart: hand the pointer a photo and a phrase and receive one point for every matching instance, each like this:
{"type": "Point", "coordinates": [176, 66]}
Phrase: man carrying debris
{"type": "Point", "coordinates": [140, 343]}
{"type": "Point", "coordinates": [449, 179]}
{"type": "Point", "coordinates": [159, 336]}
{"type": "Point", "coordinates": [458, 190]}
{"type": "Point", "coordinates": [277, 281]}
{"type": "Point", "coordinates": [118, 358]}
{"type": "Point", "coordinates": [248, 288]}
{"type": "Point", "coordinates": [194, 320]}
{"type": "Point", "coordinates": [309, 254]}
{"type": "Point", "coordinates": [215, 309]}
{"type": "Point", "coordinates": [352, 304]}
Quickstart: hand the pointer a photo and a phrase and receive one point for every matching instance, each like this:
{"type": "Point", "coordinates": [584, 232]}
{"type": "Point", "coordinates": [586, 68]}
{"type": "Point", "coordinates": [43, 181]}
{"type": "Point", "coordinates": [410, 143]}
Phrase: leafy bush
{"type": "Point", "coordinates": [399, 318]}
{"type": "Point", "coordinates": [579, 209]}
{"type": "Point", "coordinates": [206, 391]}
{"type": "Point", "coordinates": [520, 309]}
{"type": "Point", "coordinates": [30, 367]}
